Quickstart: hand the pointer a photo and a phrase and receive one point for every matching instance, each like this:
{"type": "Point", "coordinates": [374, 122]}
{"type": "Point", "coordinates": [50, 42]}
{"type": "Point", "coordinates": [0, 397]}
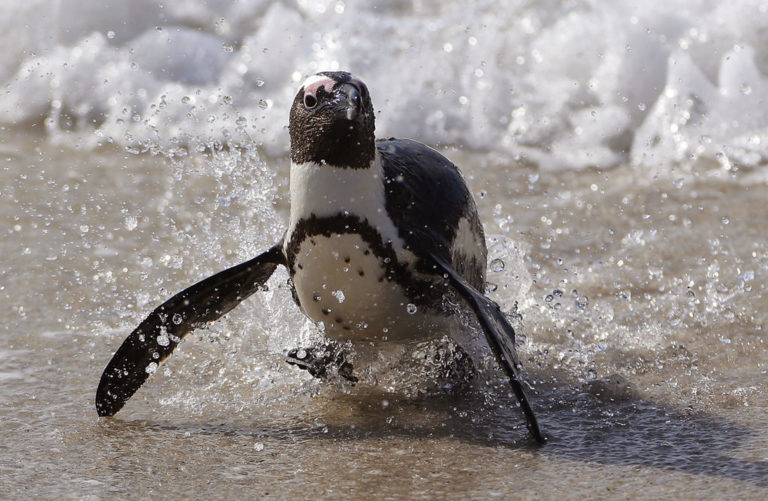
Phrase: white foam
{"type": "Point", "coordinates": [563, 84]}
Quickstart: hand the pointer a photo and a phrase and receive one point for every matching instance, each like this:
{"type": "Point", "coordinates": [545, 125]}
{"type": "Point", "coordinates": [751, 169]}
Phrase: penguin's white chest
{"type": "Point", "coordinates": [339, 278]}
{"type": "Point", "coordinates": [341, 282]}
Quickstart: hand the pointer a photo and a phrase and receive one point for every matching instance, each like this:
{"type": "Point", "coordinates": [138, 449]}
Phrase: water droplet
{"type": "Point", "coordinates": [301, 354]}
{"type": "Point", "coordinates": [582, 302]}
{"type": "Point", "coordinates": [339, 295]}
{"type": "Point", "coordinates": [151, 368]}
{"type": "Point", "coordinates": [131, 223]}
{"type": "Point", "coordinates": [227, 99]}
{"type": "Point", "coordinates": [591, 375]}
{"type": "Point", "coordinates": [258, 447]}
{"type": "Point", "coordinates": [186, 100]}
{"type": "Point", "coordinates": [227, 47]}
{"type": "Point", "coordinates": [263, 104]}
{"type": "Point", "coordinates": [259, 82]}
{"type": "Point", "coordinates": [746, 89]}
{"type": "Point", "coordinates": [411, 308]}
{"type": "Point", "coordinates": [163, 340]}
{"type": "Point", "coordinates": [497, 265]}
{"type": "Point", "coordinates": [110, 34]}
{"type": "Point", "coordinates": [177, 318]}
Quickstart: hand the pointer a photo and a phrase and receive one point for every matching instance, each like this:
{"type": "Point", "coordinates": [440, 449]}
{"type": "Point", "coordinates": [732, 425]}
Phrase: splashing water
{"type": "Point", "coordinates": [556, 84]}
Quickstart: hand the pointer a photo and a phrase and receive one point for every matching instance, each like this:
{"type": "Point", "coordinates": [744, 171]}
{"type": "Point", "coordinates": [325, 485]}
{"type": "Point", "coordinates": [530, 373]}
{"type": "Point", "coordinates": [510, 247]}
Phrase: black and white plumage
{"type": "Point", "coordinates": [379, 233]}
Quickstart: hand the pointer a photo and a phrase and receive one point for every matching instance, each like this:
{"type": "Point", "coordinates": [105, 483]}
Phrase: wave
{"type": "Point", "coordinates": [562, 85]}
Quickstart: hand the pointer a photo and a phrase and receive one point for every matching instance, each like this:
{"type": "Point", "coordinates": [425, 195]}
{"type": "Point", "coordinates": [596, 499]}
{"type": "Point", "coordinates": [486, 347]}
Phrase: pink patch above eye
{"type": "Point", "coordinates": [312, 88]}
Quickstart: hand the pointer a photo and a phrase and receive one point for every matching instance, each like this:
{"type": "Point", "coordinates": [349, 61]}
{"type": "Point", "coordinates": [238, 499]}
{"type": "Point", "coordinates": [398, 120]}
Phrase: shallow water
{"type": "Point", "coordinates": [617, 152]}
{"type": "Point", "coordinates": [648, 379]}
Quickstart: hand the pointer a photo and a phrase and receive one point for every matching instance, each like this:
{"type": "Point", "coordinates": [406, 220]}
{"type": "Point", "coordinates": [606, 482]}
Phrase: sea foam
{"type": "Point", "coordinates": [562, 85]}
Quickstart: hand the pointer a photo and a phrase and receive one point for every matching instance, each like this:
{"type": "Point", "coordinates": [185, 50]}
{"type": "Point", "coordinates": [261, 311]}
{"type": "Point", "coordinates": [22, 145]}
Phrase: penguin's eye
{"type": "Point", "coordinates": [310, 101]}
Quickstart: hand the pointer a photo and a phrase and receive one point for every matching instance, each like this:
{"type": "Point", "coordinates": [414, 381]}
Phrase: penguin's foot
{"type": "Point", "coordinates": [445, 364]}
{"type": "Point", "coordinates": [318, 360]}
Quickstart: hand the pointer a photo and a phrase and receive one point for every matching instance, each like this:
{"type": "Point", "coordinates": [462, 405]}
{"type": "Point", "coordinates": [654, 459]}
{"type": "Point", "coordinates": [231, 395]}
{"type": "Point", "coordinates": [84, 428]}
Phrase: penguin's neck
{"type": "Point", "coordinates": [323, 190]}
{"type": "Point", "coordinates": [320, 191]}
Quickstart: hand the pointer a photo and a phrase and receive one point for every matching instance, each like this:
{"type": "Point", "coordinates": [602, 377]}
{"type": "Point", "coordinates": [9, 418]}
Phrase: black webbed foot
{"type": "Point", "coordinates": [446, 364]}
{"type": "Point", "coordinates": [318, 360]}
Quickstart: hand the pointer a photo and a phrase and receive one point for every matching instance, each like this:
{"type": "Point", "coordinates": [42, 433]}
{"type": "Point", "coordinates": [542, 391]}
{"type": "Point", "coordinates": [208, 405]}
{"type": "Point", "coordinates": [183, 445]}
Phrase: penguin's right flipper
{"type": "Point", "coordinates": [156, 337]}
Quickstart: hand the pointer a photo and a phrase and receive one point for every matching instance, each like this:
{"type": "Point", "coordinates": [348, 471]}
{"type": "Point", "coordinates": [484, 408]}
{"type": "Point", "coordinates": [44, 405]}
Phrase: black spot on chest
{"type": "Point", "coordinates": [422, 292]}
{"type": "Point", "coordinates": [341, 224]}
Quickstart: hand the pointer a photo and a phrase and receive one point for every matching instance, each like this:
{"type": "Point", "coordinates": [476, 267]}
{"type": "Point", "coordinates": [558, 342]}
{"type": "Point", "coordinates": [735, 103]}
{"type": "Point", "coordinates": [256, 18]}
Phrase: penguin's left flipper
{"type": "Point", "coordinates": [500, 336]}
{"type": "Point", "coordinates": [157, 336]}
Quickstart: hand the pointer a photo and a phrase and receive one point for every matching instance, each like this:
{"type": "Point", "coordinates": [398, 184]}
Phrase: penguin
{"type": "Point", "coordinates": [380, 233]}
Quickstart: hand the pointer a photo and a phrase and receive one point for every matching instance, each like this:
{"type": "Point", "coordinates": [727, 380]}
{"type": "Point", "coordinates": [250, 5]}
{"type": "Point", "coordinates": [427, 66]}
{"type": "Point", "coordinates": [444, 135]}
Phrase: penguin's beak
{"type": "Point", "coordinates": [348, 102]}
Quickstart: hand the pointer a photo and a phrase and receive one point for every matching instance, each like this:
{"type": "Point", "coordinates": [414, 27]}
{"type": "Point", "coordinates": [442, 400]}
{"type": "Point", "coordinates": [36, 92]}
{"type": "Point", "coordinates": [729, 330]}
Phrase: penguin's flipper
{"type": "Point", "coordinates": [499, 334]}
{"type": "Point", "coordinates": [156, 337]}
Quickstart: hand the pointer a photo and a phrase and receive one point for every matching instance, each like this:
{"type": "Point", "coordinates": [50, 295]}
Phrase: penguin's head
{"type": "Point", "coordinates": [332, 122]}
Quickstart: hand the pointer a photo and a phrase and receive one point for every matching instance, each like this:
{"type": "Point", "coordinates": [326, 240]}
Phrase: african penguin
{"type": "Point", "coordinates": [380, 232]}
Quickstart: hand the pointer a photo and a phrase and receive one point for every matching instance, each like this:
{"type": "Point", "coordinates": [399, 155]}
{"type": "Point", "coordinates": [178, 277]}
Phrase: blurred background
{"type": "Point", "coordinates": [562, 84]}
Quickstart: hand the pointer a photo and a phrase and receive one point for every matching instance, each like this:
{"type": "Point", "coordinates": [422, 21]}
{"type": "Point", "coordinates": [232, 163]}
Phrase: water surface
{"type": "Point", "coordinates": [642, 304]}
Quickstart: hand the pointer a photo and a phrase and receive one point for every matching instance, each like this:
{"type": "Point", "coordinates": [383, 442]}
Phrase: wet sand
{"type": "Point", "coordinates": [643, 310]}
